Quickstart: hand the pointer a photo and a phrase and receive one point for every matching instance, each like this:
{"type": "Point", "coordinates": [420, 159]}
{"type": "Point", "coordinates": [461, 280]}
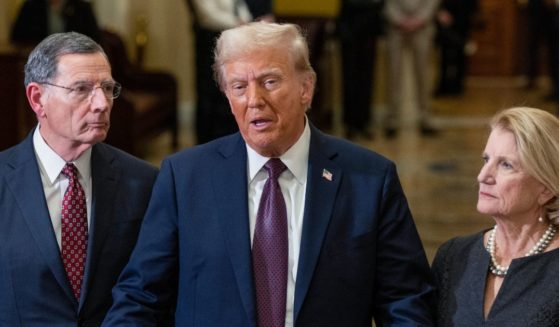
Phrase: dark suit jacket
{"type": "Point", "coordinates": [360, 254]}
{"type": "Point", "coordinates": [259, 8]}
{"type": "Point", "coordinates": [34, 290]}
{"type": "Point", "coordinates": [32, 25]}
{"type": "Point", "coordinates": [359, 19]}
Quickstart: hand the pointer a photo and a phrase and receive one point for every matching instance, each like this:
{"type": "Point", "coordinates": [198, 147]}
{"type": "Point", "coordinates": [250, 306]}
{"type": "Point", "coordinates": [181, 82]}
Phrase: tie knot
{"type": "Point", "coordinates": [275, 167]}
{"type": "Point", "coordinates": [70, 171]}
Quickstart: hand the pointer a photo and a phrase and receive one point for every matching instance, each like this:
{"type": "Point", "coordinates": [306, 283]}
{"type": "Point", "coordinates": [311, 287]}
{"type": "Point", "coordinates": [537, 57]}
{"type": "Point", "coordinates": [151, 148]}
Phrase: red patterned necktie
{"type": "Point", "coordinates": [270, 251]}
{"type": "Point", "coordinates": [74, 229]}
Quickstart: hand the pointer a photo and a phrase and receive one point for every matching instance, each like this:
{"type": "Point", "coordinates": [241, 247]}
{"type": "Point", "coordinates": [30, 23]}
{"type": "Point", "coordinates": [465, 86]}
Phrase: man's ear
{"type": "Point", "coordinates": [34, 92]}
{"type": "Point", "coordinates": [307, 89]}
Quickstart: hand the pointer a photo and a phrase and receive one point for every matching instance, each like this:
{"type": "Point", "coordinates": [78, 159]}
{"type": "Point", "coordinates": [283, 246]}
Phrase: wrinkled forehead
{"type": "Point", "coordinates": [253, 50]}
{"type": "Point", "coordinates": [260, 62]}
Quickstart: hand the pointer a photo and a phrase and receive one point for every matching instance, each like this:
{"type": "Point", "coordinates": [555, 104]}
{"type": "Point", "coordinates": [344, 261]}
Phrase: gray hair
{"type": "Point", "coordinates": [42, 64]}
{"type": "Point", "coordinates": [537, 139]}
{"type": "Point", "coordinates": [248, 38]}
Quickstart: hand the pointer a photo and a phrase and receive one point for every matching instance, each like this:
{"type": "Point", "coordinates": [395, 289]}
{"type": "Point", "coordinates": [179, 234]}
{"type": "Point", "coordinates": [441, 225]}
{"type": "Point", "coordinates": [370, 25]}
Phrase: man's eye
{"type": "Point", "coordinates": [81, 89]}
{"type": "Point", "coordinates": [108, 88]}
{"type": "Point", "coordinates": [270, 83]}
{"type": "Point", "coordinates": [238, 89]}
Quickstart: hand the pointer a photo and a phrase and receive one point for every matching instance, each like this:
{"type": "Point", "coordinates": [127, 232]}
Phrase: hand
{"type": "Point", "coordinates": [411, 24]}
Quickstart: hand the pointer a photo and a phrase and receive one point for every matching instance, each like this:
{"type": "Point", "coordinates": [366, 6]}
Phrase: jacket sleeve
{"type": "Point", "coordinates": [405, 295]}
{"type": "Point", "coordinates": [145, 294]}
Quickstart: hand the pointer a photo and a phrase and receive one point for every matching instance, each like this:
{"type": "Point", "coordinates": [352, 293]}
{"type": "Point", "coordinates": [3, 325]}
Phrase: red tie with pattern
{"type": "Point", "coordinates": [270, 251]}
{"type": "Point", "coordinates": [74, 229]}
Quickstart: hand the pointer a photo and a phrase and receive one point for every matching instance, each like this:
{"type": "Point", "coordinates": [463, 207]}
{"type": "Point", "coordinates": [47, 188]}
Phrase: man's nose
{"type": "Point", "coordinates": [99, 101]}
{"type": "Point", "coordinates": [254, 96]}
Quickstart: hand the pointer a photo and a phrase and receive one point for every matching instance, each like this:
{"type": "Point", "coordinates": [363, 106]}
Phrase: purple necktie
{"type": "Point", "coordinates": [270, 251]}
{"type": "Point", "coordinates": [74, 229]}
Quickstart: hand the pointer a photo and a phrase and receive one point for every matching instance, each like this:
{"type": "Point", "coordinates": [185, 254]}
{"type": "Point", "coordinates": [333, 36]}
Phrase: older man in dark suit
{"type": "Point", "coordinates": [70, 206]}
{"type": "Point", "coordinates": [280, 224]}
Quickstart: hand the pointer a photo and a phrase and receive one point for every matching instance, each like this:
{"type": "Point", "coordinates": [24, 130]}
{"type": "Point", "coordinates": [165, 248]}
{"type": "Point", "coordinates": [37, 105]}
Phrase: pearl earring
{"type": "Point", "coordinates": [540, 219]}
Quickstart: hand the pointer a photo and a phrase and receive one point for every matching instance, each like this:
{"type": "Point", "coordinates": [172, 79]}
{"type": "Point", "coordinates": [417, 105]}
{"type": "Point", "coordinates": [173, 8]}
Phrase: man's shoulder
{"type": "Point", "coordinates": [8, 153]}
{"type": "Point", "coordinates": [221, 147]}
{"type": "Point", "coordinates": [123, 159]}
{"type": "Point", "coordinates": [16, 153]}
{"type": "Point", "coordinates": [349, 152]}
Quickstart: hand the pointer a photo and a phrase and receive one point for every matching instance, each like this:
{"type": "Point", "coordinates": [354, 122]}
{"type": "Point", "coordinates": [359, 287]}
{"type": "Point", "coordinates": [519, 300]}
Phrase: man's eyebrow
{"type": "Point", "coordinates": [260, 75]}
{"type": "Point", "coordinates": [84, 81]}
{"type": "Point", "coordinates": [269, 72]}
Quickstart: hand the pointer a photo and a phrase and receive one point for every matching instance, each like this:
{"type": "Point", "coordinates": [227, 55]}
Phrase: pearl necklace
{"type": "Point", "coordinates": [539, 247]}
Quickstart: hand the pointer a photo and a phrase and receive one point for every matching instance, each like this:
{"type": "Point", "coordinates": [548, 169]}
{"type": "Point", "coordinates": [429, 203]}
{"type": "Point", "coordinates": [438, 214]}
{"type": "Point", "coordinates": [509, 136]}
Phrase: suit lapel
{"type": "Point", "coordinates": [26, 186]}
{"type": "Point", "coordinates": [321, 194]}
{"type": "Point", "coordinates": [104, 177]}
{"type": "Point", "coordinates": [229, 183]}
{"type": "Point", "coordinates": [230, 188]}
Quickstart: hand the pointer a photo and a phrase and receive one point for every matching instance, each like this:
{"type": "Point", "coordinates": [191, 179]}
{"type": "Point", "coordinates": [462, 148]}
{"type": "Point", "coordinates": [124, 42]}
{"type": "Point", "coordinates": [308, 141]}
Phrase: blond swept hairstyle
{"type": "Point", "coordinates": [250, 38]}
{"type": "Point", "coordinates": [536, 133]}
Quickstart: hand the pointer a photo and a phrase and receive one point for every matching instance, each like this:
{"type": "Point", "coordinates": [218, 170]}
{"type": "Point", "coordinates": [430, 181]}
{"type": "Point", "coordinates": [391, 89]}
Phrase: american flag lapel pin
{"type": "Point", "coordinates": [327, 175]}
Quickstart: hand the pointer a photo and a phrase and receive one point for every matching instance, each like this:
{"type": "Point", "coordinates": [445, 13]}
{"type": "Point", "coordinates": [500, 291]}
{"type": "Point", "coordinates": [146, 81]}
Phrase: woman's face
{"type": "Point", "coordinates": [505, 189]}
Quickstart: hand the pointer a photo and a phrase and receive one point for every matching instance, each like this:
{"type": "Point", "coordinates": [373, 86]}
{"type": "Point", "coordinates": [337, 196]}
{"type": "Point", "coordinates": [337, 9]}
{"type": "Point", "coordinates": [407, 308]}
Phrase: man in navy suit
{"type": "Point", "coordinates": [70, 88]}
{"type": "Point", "coordinates": [354, 254]}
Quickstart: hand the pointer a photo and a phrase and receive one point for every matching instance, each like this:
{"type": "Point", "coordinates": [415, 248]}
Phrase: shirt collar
{"type": "Point", "coordinates": [296, 158]}
{"type": "Point", "coordinates": [52, 163]}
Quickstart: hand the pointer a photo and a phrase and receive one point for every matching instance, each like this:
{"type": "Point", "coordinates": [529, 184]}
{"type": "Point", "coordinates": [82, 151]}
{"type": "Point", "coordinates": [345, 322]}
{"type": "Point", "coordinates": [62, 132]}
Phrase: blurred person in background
{"type": "Point", "coordinates": [543, 28]}
{"type": "Point", "coordinates": [261, 10]}
{"type": "Point", "coordinates": [213, 116]}
{"type": "Point", "coordinates": [454, 22]}
{"type": "Point", "coordinates": [359, 24]}
{"type": "Point", "coordinates": [39, 18]}
{"type": "Point", "coordinates": [410, 26]}
{"type": "Point", "coordinates": [537, 28]}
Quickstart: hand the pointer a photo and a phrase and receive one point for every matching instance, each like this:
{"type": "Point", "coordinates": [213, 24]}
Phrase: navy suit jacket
{"type": "Point", "coordinates": [360, 253]}
{"type": "Point", "coordinates": [34, 289]}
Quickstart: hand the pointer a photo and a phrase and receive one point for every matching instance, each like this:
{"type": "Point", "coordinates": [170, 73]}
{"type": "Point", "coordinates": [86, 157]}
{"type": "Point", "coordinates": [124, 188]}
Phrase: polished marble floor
{"type": "Point", "coordinates": [438, 174]}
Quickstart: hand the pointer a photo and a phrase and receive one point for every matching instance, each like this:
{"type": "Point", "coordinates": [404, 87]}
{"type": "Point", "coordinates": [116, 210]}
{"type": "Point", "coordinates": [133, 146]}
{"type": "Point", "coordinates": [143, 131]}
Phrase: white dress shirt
{"type": "Point", "coordinates": [293, 183]}
{"type": "Point", "coordinates": [55, 183]}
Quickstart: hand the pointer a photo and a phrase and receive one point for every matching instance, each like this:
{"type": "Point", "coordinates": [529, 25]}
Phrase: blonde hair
{"type": "Point", "coordinates": [249, 38]}
{"type": "Point", "coordinates": [537, 138]}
